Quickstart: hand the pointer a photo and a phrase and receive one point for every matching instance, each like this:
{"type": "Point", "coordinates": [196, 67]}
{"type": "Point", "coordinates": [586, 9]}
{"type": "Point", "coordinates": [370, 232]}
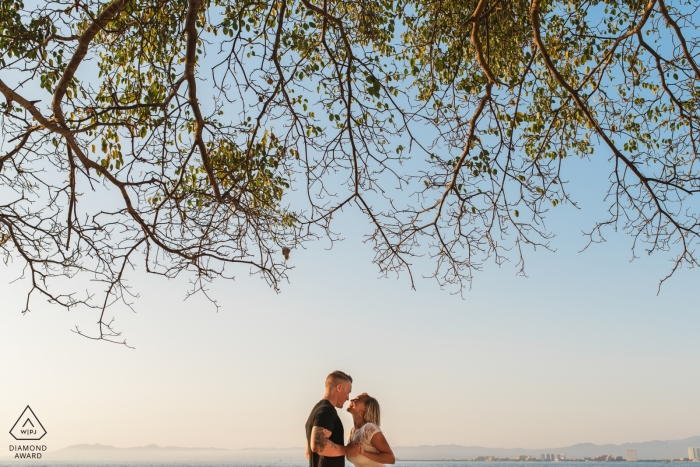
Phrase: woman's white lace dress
{"type": "Point", "coordinates": [363, 436]}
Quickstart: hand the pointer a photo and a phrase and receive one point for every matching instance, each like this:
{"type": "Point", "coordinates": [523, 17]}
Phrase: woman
{"type": "Point", "coordinates": [374, 449]}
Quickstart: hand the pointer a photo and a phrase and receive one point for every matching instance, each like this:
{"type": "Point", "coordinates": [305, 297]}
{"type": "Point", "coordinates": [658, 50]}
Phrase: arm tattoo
{"type": "Point", "coordinates": [319, 439]}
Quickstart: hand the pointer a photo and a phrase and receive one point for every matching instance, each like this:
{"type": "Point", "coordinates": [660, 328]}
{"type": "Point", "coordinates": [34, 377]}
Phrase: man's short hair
{"type": "Point", "coordinates": [336, 378]}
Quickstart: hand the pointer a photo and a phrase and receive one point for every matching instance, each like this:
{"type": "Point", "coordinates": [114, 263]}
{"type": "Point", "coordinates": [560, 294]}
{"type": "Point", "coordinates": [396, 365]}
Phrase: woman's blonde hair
{"type": "Point", "coordinates": [372, 411]}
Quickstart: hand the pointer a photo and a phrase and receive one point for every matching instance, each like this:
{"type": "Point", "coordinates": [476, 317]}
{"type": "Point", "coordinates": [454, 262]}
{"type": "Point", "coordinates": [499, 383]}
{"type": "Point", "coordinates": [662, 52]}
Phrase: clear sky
{"type": "Point", "coordinates": [582, 350]}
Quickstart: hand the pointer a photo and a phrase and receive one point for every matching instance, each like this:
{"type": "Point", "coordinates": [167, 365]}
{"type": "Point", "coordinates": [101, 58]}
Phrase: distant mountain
{"type": "Point", "coordinates": [646, 450]}
{"type": "Point", "coordinates": [153, 453]}
{"type": "Point", "coordinates": [89, 447]}
{"type": "Point", "coordinates": [295, 448]}
{"type": "Point", "coordinates": [150, 447]}
{"type": "Point", "coordinates": [673, 449]}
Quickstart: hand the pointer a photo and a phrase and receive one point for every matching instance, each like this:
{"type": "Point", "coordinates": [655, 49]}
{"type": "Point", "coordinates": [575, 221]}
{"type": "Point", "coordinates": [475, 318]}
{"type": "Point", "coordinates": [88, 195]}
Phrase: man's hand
{"type": "Point", "coordinates": [353, 450]}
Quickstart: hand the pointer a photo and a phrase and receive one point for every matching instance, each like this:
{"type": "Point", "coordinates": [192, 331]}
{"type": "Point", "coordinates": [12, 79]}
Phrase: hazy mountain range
{"type": "Point", "coordinates": [645, 450]}
{"type": "Point", "coordinates": [150, 447]}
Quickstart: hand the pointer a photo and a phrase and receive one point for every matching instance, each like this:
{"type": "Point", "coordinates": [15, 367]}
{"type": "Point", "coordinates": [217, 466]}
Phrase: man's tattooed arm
{"type": "Point", "coordinates": [321, 438]}
{"type": "Point", "coordinates": [320, 444]}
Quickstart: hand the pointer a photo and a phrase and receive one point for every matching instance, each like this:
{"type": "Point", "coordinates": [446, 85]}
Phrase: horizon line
{"type": "Point", "coordinates": [414, 446]}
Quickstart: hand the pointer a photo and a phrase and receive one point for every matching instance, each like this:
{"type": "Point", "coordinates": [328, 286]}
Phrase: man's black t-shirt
{"type": "Point", "coordinates": [325, 416]}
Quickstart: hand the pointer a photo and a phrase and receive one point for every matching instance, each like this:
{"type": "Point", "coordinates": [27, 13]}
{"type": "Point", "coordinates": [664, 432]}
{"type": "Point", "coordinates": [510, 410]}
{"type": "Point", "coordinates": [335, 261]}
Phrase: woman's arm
{"type": "Point", "coordinates": [385, 454]}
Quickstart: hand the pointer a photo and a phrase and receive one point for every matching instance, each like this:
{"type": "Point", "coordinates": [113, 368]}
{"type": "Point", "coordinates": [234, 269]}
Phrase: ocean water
{"type": "Point", "coordinates": [42, 463]}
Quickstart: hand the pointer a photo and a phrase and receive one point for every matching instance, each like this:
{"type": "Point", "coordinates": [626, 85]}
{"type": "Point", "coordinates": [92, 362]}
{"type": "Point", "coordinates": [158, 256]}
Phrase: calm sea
{"type": "Point", "coordinates": [37, 463]}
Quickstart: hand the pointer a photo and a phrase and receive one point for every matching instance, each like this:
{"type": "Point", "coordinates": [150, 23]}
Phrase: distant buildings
{"type": "Point", "coordinates": [630, 456]}
{"type": "Point", "coordinates": [551, 457]}
{"type": "Point", "coordinates": [608, 458]}
{"type": "Point", "coordinates": [694, 454]}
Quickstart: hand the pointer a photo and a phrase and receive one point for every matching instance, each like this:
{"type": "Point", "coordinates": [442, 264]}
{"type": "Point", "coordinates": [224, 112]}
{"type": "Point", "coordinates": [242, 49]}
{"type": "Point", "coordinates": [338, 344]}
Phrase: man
{"type": "Point", "coordinates": [324, 430]}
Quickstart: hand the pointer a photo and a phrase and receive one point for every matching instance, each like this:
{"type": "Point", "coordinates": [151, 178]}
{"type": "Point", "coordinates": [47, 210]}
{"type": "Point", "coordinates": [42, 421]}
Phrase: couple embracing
{"type": "Point", "coordinates": [325, 438]}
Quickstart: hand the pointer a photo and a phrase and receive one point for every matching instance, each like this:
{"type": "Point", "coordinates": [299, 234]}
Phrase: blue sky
{"type": "Point", "coordinates": [582, 350]}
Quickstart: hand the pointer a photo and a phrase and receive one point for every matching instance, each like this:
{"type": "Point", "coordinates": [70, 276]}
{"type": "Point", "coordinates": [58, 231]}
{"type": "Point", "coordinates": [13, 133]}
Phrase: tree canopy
{"type": "Point", "coordinates": [206, 136]}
